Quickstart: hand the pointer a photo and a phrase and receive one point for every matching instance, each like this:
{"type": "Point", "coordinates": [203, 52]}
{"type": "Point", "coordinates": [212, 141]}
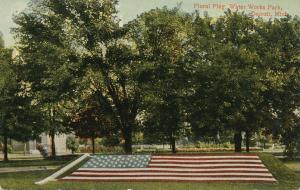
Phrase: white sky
{"type": "Point", "coordinates": [129, 9]}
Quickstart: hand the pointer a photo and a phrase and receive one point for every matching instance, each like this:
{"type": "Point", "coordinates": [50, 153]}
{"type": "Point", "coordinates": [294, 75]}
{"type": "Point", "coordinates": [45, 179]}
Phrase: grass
{"type": "Point", "coordinates": [59, 160]}
{"type": "Point", "coordinates": [287, 180]}
{"type": "Point", "coordinates": [293, 165]}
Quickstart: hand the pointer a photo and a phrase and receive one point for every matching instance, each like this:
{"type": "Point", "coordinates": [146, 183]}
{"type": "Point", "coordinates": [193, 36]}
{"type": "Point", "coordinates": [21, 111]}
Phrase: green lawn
{"type": "Point", "coordinates": [60, 160]}
{"type": "Point", "coordinates": [287, 180]}
{"type": "Point", "coordinates": [293, 165]}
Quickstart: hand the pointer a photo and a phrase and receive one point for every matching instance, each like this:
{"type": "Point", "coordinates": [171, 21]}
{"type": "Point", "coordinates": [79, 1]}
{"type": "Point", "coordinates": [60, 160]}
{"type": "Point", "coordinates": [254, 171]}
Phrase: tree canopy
{"type": "Point", "coordinates": [166, 73]}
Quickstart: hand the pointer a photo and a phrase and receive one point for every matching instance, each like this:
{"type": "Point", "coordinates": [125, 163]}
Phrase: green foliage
{"type": "Point", "coordinates": [1, 40]}
{"type": "Point", "coordinates": [20, 118]}
{"type": "Point", "coordinates": [9, 148]}
{"type": "Point", "coordinates": [291, 140]}
{"type": "Point", "coordinates": [138, 138]}
{"type": "Point", "coordinates": [200, 144]}
{"type": "Point", "coordinates": [283, 49]}
{"type": "Point", "coordinates": [49, 68]}
{"type": "Point", "coordinates": [111, 141]}
{"type": "Point", "coordinates": [67, 41]}
{"type": "Point", "coordinates": [103, 149]}
{"type": "Point", "coordinates": [160, 36]}
{"type": "Point", "coordinates": [92, 119]}
{"type": "Point", "coordinates": [240, 83]}
{"type": "Point", "coordinates": [171, 73]}
{"type": "Point", "coordinates": [72, 144]}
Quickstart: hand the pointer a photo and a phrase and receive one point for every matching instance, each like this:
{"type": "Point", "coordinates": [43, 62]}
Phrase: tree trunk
{"type": "Point", "coordinates": [52, 131]}
{"type": "Point", "coordinates": [93, 144]}
{"type": "Point", "coordinates": [127, 135]}
{"type": "Point", "coordinates": [248, 141]}
{"type": "Point", "coordinates": [5, 149]}
{"type": "Point", "coordinates": [25, 148]}
{"type": "Point", "coordinates": [53, 150]}
{"type": "Point", "coordinates": [173, 143]}
{"type": "Point", "coordinates": [238, 141]}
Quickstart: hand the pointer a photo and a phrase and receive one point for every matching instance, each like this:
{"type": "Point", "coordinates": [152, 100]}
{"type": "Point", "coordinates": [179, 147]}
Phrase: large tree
{"type": "Point", "coordinates": [20, 118]}
{"type": "Point", "coordinates": [92, 120]}
{"type": "Point", "coordinates": [281, 55]}
{"type": "Point", "coordinates": [89, 32]}
{"type": "Point", "coordinates": [229, 73]}
{"type": "Point", "coordinates": [232, 73]}
{"type": "Point", "coordinates": [160, 36]}
{"type": "Point", "coordinates": [48, 66]}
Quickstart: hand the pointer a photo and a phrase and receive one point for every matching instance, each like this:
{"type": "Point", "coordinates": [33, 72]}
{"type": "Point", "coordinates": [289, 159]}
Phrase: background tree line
{"type": "Point", "coordinates": [165, 74]}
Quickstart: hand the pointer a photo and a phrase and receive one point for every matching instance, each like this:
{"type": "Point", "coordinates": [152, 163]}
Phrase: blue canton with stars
{"type": "Point", "coordinates": [117, 161]}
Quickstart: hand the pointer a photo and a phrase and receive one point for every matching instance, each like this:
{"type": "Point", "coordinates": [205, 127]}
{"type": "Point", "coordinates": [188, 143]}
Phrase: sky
{"type": "Point", "coordinates": [129, 9]}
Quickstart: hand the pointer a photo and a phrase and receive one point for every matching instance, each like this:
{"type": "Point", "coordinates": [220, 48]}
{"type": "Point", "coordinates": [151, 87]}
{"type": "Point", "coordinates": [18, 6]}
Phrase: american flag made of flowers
{"type": "Point", "coordinates": [174, 167]}
{"type": "Point", "coordinates": [118, 161]}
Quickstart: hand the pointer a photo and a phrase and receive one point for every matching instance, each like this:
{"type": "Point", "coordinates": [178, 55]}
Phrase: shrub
{"type": "Point", "coordinates": [9, 148]}
{"type": "Point", "coordinates": [102, 149]}
{"type": "Point", "coordinates": [111, 141]}
{"type": "Point", "coordinates": [42, 149]}
{"type": "Point", "coordinates": [213, 149]}
{"type": "Point", "coordinates": [72, 144]}
{"type": "Point", "coordinates": [200, 144]}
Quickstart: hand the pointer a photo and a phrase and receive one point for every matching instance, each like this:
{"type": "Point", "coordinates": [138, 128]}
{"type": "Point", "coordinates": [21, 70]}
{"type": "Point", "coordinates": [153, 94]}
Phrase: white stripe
{"type": "Point", "coordinates": [170, 174]}
{"type": "Point", "coordinates": [197, 157]}
{"type": "Point", "coordinates": [175, 169]}
{"type": "Point", "coordinates": [175, 178]}
{"type": "Point", "coordinates": [204, 161]}
{"type": "Point", "coordinates": [205, 165]}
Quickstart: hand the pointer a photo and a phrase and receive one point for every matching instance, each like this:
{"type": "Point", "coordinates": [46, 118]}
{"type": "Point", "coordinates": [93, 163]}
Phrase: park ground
{"type": "Point", "coordinates": [286, 172]}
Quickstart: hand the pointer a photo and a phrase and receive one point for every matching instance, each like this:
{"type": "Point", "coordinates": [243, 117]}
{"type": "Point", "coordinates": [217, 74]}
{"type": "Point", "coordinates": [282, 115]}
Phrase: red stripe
{"type": "Point", "coordinates": [205, 154]}
{"type": "Point", "coordinates": [227, 171]}
{"type": "Point", "coordinates": [206, 167]}
{"type": "Point", "coordinates": [153, 158]}
{"type": "Point", "coordinates": [163, 162]}
{"type": "Point", "coordinates": [173, 175]}
{"type": "Point", "coordinates": [166, 180]}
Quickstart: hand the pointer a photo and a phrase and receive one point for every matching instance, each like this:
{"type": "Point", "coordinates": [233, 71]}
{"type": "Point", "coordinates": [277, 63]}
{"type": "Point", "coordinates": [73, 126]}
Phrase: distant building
{"type": "Point", "coordinates": [30, 146]}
